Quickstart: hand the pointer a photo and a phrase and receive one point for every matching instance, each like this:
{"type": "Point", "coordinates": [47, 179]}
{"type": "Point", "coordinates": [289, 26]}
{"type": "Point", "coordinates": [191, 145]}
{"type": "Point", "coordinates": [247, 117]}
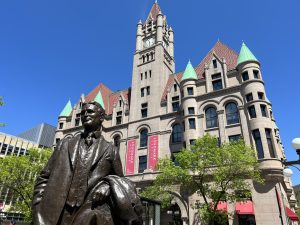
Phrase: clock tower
{"type": "Point", "coordinates": [152, 64]}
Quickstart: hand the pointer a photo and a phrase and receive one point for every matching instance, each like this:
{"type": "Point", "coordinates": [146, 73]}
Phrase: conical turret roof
{"type": "Point", "coordinates": [189, 72]}
{"type": "Point", "coordinates": [67, 109]}
{"type": "Point", "coordinates": [245, 55]}
{"type": "Point", "coordinates": [99, 99]}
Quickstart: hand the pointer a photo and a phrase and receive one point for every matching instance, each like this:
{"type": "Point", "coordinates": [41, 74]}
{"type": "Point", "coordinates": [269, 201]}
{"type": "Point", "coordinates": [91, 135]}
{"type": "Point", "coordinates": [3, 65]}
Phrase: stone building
{"type": "Point", "coordinates": [165, 110]}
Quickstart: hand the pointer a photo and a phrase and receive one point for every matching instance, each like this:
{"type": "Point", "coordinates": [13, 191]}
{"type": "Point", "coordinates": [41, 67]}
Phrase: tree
{"type": "Point", "coordinates": [18, 174]}
{"type": "Point", "coordinates": [1, 104]}
{"type": "Point", "coordinates": [213, 172]}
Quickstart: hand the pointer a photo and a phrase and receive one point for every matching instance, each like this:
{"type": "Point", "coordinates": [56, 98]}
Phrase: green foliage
{"type": "Point", "coordinates": [213, 172]}
{"type": "Point", "coordinates": [18, 174]}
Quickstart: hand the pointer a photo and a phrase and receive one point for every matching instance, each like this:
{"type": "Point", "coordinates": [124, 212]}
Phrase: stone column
{"type": "Point", "coordinates": [244, 125]}
{"type": "Point", "coordinates": [221, 122]}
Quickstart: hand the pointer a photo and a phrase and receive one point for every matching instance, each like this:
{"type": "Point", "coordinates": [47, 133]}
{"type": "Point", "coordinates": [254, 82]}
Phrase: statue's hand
{"type": "Point", "coordinates": [101, 193]}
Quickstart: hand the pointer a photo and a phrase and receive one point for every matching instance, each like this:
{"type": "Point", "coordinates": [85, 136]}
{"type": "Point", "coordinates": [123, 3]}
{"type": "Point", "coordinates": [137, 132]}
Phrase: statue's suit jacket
{"type": "Point", "coordinates": [53, 183]}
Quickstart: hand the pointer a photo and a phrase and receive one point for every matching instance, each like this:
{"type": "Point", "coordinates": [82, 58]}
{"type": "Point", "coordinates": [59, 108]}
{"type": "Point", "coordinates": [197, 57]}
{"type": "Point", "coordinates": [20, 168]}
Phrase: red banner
{"type": "Point", "coordinates": [130, 157]}
{"type": "Point", "coordinates": [153, 151]}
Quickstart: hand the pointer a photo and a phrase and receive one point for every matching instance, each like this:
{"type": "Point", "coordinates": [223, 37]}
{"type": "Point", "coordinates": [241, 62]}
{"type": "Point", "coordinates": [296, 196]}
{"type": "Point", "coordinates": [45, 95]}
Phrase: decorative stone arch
{"type": "Point", "coordinates": [171, 123]}
{"type": "Point", "coordinates": [207, 104]}
{"type": "Point", "coordinates": [231, 98]}
{"type": "Point", "coordinates": [115, 133]}
{"type": "Point", "coordinates": [142, 126]}
{"type": "Point", "coordinates": [182, 205]}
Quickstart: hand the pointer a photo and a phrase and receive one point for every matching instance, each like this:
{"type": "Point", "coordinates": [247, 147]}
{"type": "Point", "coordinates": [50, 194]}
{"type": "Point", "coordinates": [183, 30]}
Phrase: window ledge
{"type": "Point", "coordinates": [142, 148]}
{"type": "Point", "coordinates": [177, 143]}
{"type": "Point", "coordinates": [211, 129]}
{"type": "Point", "coordinates": [233, 125]}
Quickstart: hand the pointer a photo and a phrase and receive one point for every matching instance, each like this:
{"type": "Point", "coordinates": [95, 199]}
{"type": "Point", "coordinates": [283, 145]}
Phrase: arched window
{"type": "Point", "coordinates": [232, 113]}
{"type": "Point", "coordinates": [211, 118]}
{"type": "Point", "coordinates": [148, 57]}
{"type": "Point", "coordinates": [117, 139]}
{"type": "Point", "coordinates": [144, 138]}
{"type": "Point", "coordinates": [176, 133]}
{"type": "Point", "coordinates": [143, 58]}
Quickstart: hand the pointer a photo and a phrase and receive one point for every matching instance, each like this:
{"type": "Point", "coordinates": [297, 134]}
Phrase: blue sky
{"type": "Point", "coordinates": [52, 51]}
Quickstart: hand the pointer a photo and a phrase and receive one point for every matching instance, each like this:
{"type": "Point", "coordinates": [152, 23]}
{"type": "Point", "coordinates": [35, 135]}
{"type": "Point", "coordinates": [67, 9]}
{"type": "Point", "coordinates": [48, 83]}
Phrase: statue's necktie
{"type": "Point", "coordinates": [89, 140]}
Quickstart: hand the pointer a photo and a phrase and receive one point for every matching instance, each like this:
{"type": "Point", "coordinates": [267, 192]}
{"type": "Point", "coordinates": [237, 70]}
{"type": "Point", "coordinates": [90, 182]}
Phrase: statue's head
{"type": "Point", "coordinates": [92, 115]}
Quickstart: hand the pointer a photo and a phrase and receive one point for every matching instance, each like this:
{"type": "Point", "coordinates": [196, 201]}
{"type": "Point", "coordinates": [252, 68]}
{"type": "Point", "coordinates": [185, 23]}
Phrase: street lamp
{"type": "Point", "coordinates": [287, 171]}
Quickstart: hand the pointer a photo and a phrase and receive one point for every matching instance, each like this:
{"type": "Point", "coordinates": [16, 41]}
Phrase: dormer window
{"type": "Point", "coordinates": [77, 120]}
{"type": "Point", "coordinates": [61, 125]}
{"type": "Point", "coordinates": [215, 63]}
{"type": "Point", "coordinates": [175, 103]}
{"type": "Point", "coordinates": [217, 82]}
{"type": "Point", "coordinates": [119, 118]}
{"type": "Point", "coordinates": [175, 87]}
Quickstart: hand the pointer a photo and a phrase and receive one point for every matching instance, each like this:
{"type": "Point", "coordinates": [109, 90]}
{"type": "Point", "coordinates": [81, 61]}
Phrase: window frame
{"type": "Point", "coordinates": [142, 163]}
{"type": "Point", "coordinates": [213, 118]}
{"type": "Point", "coordinates": [245, 76]}
{"type": "Point", "coordinates": [144, 138]}
{"type": "Point", "coordinates": [234, 114]}
{"type": "Point", "coordinates": [263, 110]}
{"type": "Point", "coordinates": [249, 97]}
{"type": "Point", "coordinates": [190, 91]}
{"type": "Point", "coordinates": [192, 123]}
{"type": "Point", "coordinates": [258, 143]}
{"type": "Point", "coordinates": [177, 134]}
{"type": "Point", "coordinates": [252, 112]}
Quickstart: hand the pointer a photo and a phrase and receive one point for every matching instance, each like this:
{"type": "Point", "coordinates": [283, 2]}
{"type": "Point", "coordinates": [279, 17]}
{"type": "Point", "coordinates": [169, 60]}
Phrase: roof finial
{"type": "Point", "coordinates": [156, 2]}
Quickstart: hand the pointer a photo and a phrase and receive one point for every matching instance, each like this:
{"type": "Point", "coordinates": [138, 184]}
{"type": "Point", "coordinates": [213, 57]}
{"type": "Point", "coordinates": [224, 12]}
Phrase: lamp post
{"type": "Point", "coordinates": [287, 171]}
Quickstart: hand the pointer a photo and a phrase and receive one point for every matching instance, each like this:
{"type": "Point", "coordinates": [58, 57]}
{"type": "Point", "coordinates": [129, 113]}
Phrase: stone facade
{"type": "Point", "coordinates": [226, 99]}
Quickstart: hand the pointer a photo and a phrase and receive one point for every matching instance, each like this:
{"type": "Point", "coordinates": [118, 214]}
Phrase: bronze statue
{"type": "Point", "coordinates": [83, 181]}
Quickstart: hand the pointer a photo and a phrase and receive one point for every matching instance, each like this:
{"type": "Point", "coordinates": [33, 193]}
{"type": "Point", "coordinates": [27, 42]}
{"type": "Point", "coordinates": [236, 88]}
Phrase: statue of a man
{"type": "Point", "coordinates": [83, 181]}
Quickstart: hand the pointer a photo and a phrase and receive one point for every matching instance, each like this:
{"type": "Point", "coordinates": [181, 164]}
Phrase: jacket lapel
{"type": "Point", "coordinates": [73, 148]}
{"type": "Point", "coordinates": [99, 149]}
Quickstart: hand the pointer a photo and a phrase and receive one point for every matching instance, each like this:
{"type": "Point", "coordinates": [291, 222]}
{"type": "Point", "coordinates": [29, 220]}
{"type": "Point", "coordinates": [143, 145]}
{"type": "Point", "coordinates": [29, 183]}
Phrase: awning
{"type": "Point", "coordinates": [291, 214]}
{"type": "Point", "coordinates": [244, 208]}
{"type": "Point", "coordinates": [222, 206]}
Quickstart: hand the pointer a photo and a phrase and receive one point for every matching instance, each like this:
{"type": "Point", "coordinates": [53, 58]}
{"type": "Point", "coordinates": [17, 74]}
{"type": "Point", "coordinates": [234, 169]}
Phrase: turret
{"type": "Point", "coordinates": [258, 110]}
{"type": "Point", "coordinates": [171, 42]}
{"type": "Point", "coordinates": [160, 23]}
{"type": "Point", "coordinates": [62, 122]}
{"type": "Point", "coordinates": [189, 104]}
{"type": "Point", "coordinates": [139, 36]}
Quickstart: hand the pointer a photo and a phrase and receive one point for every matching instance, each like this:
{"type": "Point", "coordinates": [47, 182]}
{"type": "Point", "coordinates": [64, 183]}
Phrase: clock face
{"type": "Point", "coordinates": [149, 42]}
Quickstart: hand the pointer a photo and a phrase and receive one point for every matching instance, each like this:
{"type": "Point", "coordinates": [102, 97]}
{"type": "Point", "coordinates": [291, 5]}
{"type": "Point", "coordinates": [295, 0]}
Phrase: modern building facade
{"type": "Point", "coordinates": [42, 134]}
{"type": "Point", "coordinates": [164, 111]}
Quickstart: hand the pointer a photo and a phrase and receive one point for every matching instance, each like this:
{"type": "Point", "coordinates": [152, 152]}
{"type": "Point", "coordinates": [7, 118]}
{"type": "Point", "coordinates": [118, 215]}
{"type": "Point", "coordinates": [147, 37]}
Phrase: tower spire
{"type": "Point", "coordinates": [155, 10]}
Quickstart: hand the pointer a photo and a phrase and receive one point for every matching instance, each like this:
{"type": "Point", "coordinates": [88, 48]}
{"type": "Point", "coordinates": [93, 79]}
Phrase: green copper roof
{"type": "Point", "coordinates": [246, 55]}
{"type": "Point", "coordinates": [189, 72]}
{"type": "Point", "coordinates": [67, 110]}
{"type": "Point", "coordinates": [99, 99]}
